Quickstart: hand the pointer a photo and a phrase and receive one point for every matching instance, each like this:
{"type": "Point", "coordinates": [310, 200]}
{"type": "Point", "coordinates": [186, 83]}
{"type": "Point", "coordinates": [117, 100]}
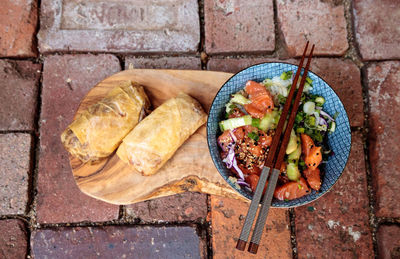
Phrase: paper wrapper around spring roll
{"type": "Point", "coordinates": [98, 131]}
{"type": "Point", "coordinates": [155, 139]}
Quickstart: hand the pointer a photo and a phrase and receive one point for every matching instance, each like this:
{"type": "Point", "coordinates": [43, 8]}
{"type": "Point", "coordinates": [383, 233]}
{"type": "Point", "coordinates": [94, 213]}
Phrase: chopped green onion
{"type": "Point", "coordinates": [332, 126]}
{"type": "Point", "coordinates": [300, 130]}
{"type": "Point", "coordinates": [309, 80]}
{"type": "Point", "coordinates": [335, 115]}
{"type": "Point", "coordinates": [255, 122]}
{"type": "Point", "coordinates": [320, 100]}
{"type": "Point", "coordinates": [309, 107]}
{"type": "Point", "coordinates": [253, 135]}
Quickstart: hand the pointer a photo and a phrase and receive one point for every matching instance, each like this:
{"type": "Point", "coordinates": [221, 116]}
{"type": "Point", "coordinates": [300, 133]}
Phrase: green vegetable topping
{"type": "Point", "coordinates": [309, 80]}
{"type": "Point", "coordinates": [319, 101]}
{"type": "Point", "coordinates": [299, 130]}
{"type": "Point", "coordinates": [255, 122]}
{"type": "Point", "coordinates": [233, 123]}
{"type": "Point", "coordinates": [253, 135]}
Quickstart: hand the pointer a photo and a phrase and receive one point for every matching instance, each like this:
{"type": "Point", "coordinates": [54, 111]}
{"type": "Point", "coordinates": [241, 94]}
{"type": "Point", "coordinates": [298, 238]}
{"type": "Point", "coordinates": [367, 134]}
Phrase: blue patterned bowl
{"type": "Point", "coordinates": [339, 141]}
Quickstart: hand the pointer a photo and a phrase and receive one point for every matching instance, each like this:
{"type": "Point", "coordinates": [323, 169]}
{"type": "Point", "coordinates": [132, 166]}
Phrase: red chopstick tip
{"type": "Point", "coordinates": [253, 248]}
{"type": "Point", "coordinates": [241, 245]}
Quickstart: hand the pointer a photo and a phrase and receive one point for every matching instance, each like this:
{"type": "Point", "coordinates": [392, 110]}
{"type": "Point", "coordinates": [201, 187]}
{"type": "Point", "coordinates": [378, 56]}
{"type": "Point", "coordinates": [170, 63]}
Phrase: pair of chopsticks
{"type": "Point", "coordinates": [274, 161]}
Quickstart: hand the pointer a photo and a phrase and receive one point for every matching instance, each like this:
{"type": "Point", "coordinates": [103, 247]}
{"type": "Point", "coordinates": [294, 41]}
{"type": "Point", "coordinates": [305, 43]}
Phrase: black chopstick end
{"type": "Point", "coordinates": [241, 245]}
{"type": "Point", "coordinates": [253, 248]}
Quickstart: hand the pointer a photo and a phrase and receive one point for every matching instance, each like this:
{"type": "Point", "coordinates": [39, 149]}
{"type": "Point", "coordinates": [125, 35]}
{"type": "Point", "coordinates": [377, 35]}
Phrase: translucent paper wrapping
{"type": "Point", "coordinates": [155, 139]}
{"type": "Point", "coordinates": [98, 131]}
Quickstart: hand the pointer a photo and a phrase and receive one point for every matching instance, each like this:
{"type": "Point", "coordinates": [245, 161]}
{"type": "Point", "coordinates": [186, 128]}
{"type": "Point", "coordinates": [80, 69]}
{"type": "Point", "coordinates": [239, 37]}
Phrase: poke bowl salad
{"type": "Point", "coordinates": [246, 125]}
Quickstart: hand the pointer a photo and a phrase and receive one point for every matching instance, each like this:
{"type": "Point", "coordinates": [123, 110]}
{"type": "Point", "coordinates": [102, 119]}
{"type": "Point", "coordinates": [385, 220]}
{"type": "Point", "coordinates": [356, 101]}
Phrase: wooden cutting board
{"type": "Point", "coordinates": [190, 169]}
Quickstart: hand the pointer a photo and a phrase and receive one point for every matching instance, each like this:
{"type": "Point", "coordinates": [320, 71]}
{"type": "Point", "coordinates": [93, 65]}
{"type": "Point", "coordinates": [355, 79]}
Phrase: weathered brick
{"type": "Point", "coordinates": [337, 224]}
{"type": "Point", "coordinates": [388, 238]}
{"type": "Point", "coordinates": [66, 80]}
{"type": "Point", "coordinates": [13, 239]}
{"type": "Point", "coordinates": [227, 218]}
{"type": "Point", "coordinates": [18, 20]}
{"type": "Point", "coordinates": [181, 207]}
{"type": "Point", "coordinates": [15, 152]}
{"type": "Point", "coordinates": [18, 95]}
{"type": "Point", "coordinates": [342, 75]}
{"type": "Point", "coordinates": [384, 135]}
{"type": "Point", "coordinates": [163, 62]}
{"type": "Point", "coordinates": [234, 65]}
{"type": "Point", "coordinates": [321, 22]}
{"type": "Point", "coordinates": [377, 28]}
{"type": "Point", "coordinates": [239, 26]}
{"type": "Point", "coordinates": [117, 242]}
{"type": "Point", "coordinates": [119, 26]}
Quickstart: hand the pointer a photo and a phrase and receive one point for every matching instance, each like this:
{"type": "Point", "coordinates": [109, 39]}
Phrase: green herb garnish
{"type": "Point", "coordinates": [253, 135]}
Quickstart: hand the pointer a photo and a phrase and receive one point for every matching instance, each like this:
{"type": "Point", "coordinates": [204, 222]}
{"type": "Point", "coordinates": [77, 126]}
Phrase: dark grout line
{"type": "Point", "coordinates": [210, 253]}
{"type": "Point", "coordinates": [121, 59]}
{"type": "Point", "coordinates": [122, 212]}
{"type": "Point", "coordinates": [388, 221]}
{"type": "Point", "coordinates": [373, 222]}
{"type": "Point", "coordinates": [293, 239]}
{"type": "Point", "coordinates": [201, 49]}
{"type": "Point", "coordinates": [353, 50]}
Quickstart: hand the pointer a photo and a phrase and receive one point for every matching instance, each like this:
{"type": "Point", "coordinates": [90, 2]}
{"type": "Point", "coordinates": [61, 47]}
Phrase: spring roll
{"type": "Point", "coordinates": [155, 139]}
{"type": "Point", "coordinates": [98, 131]}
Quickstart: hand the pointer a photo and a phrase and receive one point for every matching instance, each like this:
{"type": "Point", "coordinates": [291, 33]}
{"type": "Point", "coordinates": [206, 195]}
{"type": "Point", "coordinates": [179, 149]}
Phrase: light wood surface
{"type": "Point", "coordinates": [190, 169]}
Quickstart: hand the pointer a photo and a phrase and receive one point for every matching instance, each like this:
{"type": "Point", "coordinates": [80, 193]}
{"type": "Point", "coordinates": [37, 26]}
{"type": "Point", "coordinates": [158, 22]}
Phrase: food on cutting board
{"type": "Point", "coordinates": [156, 138]}
{"type": "Point", "coordinates": [99, 130]}
{"type": "Point", "coordinates": [252, 115]}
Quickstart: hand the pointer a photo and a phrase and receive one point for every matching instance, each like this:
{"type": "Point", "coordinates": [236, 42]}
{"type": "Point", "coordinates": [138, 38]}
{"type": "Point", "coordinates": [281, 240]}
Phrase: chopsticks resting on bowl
{"type": "Point", "coordinates": [273, 162]}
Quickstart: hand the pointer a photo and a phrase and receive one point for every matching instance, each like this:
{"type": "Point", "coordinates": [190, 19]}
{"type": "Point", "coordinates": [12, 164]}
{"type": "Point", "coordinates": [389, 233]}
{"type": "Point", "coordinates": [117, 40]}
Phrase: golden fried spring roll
{"type": "Point", "coordinates": [155, 139]}
{"type": "Point", "coordinates": [98, 131]}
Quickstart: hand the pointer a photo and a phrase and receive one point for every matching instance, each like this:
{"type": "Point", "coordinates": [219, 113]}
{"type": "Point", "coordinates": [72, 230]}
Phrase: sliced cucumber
{"type": "Point", "coordinates": [240, 99]}
{"type": "Point", "coordinates": [268, 122]}
{"type": "Point", "coordinates": [309, 107]}
{"type": "Point", "coordinates": [233, 123]}
{"type": "Point", "coordinates": [292, 145]}
{"type": "Point", "coordinates": [293, 172]}
{"type": "Point", "coordinates": [332, 126]}
{"type": "Point", "coordinates": [295, 155]}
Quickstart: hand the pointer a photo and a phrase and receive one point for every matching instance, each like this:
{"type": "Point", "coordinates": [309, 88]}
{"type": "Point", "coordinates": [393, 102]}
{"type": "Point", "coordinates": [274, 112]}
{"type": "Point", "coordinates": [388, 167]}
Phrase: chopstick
{"type": "Point", "coordinates": [244, 235]}
{"type": "Point", "coordinates": [266, 202]}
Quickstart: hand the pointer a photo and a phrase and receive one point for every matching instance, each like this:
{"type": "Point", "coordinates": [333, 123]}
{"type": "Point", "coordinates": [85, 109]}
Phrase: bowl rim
{"type": "Point", "coordinates": [288, 206]}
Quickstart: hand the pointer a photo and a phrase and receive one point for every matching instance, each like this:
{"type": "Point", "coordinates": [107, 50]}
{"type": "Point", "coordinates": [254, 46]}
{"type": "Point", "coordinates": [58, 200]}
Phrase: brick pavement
{"type": "Point", "coordinates": [48, 63]}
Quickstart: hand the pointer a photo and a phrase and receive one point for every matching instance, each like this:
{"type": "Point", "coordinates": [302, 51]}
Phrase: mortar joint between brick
{"type": "Point", "coordinates": [293, 239]}
{"type": "Point", "coordinates": [352, 52]}
{"type": "Point", "coordinates": [373, 221]}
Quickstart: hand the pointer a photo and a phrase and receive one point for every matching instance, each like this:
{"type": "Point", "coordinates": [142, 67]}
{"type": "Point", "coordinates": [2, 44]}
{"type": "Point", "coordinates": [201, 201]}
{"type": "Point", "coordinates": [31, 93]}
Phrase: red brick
{"type": "Point", "coordinates": [181, 207]}
{"type": "Point", "coordinates": [18, 21]}
{"type": "Point", "coordinates": [18, 83]}
{"type": "Point", "coordinates": [337, 224]}
{"type": "Point", "coordinates": [384, 135]}
{"type": "Point", "coordinates": [227, 218]}
{"type": "Point", "coordinates": [239, 26]}
{"type": "Point", "coordinates": [342, 75]}
{"type": "Point", "coordinates": [164, 62]}
{"type": "Point", "coordinates": [13, 239]}
{"type": "Point", "coordinates": [15, 152]}
{"type": "Point", "coordinates": [119, 26]}
{"type": "Point", "coordinates": [234, 65]}
{"type": "Point", "coordinates": [377, 28]}
{"type": "Point", "coordinates": [388, 238]}
{"type": "Point", "coordinates": [117, 242]}
{"type": "Point", "coordinates": [66, 80]}
{"type": "Point", "coordinates": [321, 22]}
